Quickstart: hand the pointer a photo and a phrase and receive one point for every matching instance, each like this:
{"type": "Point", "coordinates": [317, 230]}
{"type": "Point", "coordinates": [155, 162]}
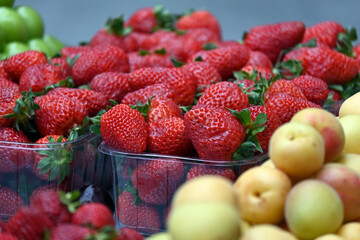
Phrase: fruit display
{"type": "Point", "coordinates": [172, 127]}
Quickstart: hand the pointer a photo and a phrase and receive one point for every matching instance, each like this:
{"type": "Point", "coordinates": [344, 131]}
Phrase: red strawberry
{"type": "Point", "coordinates": [285, 106]}
{"type": "Point", "coordinates": [200, 19]}
{"type": "Point", "coordinates": [68, 231]}
{"type": "Point", "coordinates": [18, 63]}
{"type": "Point", "coordinates": [265, 72]}
{"type": "Point", "coordinates": [246, 84]}
{"type": "Point", "coordinates": [95, 214]}
{"type": "Point", "coordinates": [336, 96]}
{"type": "Point", "coordinates": [143, 217]}
{"type": "Point", "coordinates": [284, 86]}
{"type": "Point", "coordinates": [63, 64]}
{"type": "Point", "coordinates": [128, 234]}
{"type": "Point", "coordinates": [142, 95]}
{"type": "Point", "coordinates": [228, 43]}
{"type": "Point", "coordinates": [356, 50]}
{"type": "Point", "coordinates": [13, 158]}
{"type": "Point", "coordinates": [124, 129]}
{"type": "Point", "coordinates": [142, 20]}
{"type": "Point", "coordinates": [315, 89]}
{"type": "Point", "coordinates": [204, 74]}
{"type": "Point", "coordinates": [8, 96]}
{"type": "Point", "coordinates": [259, 59]}
{"type": "Point", "coordinates": [143, 77]}
{"type": "Point", "coordinates": [214, 132]}
{"type": "Point", "coordinates": [73, 51]}
{"type": "Point", "coordinates": [57, 115]}
{"type": "Point", "coordinates": [134, 40]}
{"type": "Point", "coordinates": [324, 32]}
{"type": "Point", "coordinates": [157, 180]}
{"type": "Point", "coordinates": [201, 170]}
{"type": "Point", "coordinates": [103, 37]}
{"type": "Point", "coordinates": [112, 85]}
{"type": "Point", "coordinates": [31, 222]}
{"type": "Point", "coordinates": [6, 83]}
{"type": "Point", "coordinates": [103, 58]}
{"type": "Point", "coordinates": [272, 123]}
{"type": "Point", "coordinates": [3, 73]}
{"type": "Point", "coordinates": [10, 202]}
{"type": "Point", "coordinates": [137, 60]}
{"type": "Point", "coordinates": [161, 108]}
{"type": "Point", "coordinates": [48, 202]}
{"type": "Point", "coordinates": [167, 136]}
{"type": "Point", "coordinates": [5, 236]}
{"type": "Point", "coordinates": [272, 38]}
{"type": "Point", "coordinates": [225, 95]}
{"type": "Point", "coordinates": [158, 40]}
{"type": "Point", "coordinates": [94, 101]}
{"type": "Point", "coordinates": [225, 59]}
{"type": "Point", "coordinates": [329, 65]}
{"type": "Point", "coordinates": [39, 76]}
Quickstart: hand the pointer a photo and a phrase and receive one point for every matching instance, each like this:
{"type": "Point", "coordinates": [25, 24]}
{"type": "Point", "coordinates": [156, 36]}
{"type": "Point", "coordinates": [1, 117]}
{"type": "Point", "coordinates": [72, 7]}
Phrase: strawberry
{"type": "Point", "coordinates": [335, 95]}
{"type": "Point", "coordinates": [315, 89]}
{"type": "Point", "coordinates": [272, 38]}
{"type": "Point", "coordinates": [6, 83]}
{"type": "Point", "coordinates": [103, 37]}
{"type": "Point", "coordinates": [36, 223]}
{"type": "Point", "coordinates": [285, 106]}
{"type": "Point", "coordinates": [141, 95]}
{"type": "Point", "coordinates": [63, 64]}
{"type": "Point", "coordinates": [57, 115]}
{"type": "Point", "coordinates": [10, 202]}
{"type": "Point", "coordinates": [225, 95]}
{"type": "Point", "coordinates": [161, 108]}
{"type": "Point", "coordinates": [137, 215]}
{"type": "Point", "coordinates": [246, 84]}
{"type": "Point", "coordinates": [203, 73]}
{"type": "Point", "coordinates": [265, 72]}
{"type": "Point", "coordinates": [200, 19]}
{"type": "Point", "coordinates": [5, 236]}
{"type": "Point", "coordinates": [73, 51]}
{"type": "Point", "coordinates": [18, 63]}
{"type": "Point", "coordinates": [3, 73]}
{"type": "Point", "coordinates": [103, 58]}
{"type": "Point", "coordinates": [201, 170]}
{"type": "Point", "coordinates": [259, 59]}
{"type": "Point", "coordinates": [157, 180]}
{"type": "Point", "coordinates": [228, 43]}
{"type": "Point", "coordinates": [39, 76]}
{"type": "Point", "coordinates": [142, 20]}
{"type": "Point", "coordinates": [324, 32]}
{"type": "Point", "coordinates": [272, 123]}
{"type": "Point", "coordinates": [225, 59]}
{"type": "Point", "coordinates": [13, 158]}
{"type": "Point", "coordinates": [144, 59]}
{"type": "Point", "coordinates": [329, 65]}
{"type": "Point", "coordinates": [356, 50]}
{"type": "Point", "coordinates": [94, 101]}
{"type": "Point", "coordinates": [48, 202]}
{"type": "Point", "coordinates": [94, 214]}
{"type": "Point", "coordinates": [143, 77]}
{"type": "Point", "coordinates": [124, 129]}
{"type": "Point", "coordinates": [284, 86]}
{"type": "Point", "coordinates": [8, 97]}
{"type": "Point", "coordinates": [159, 39]}
{"type": "Point", "coordinates": [112, 85]}
{"type": "Point", "coordinates": [167, 136]}
{"type": "Point", "coordinates": [68, 231]}
{"type": "Point", "coordinates": [128, 234]}
{"type": "Point", "coordinates": [214, 132]}
{"type": "Point", "coordinates": [134, 40]}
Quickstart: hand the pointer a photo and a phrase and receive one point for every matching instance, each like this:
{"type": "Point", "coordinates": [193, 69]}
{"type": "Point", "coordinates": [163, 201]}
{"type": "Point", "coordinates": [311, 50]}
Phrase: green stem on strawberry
{"type": "Point", "coordinates": [67, 82]}
{"type": "Point", "coordinates": [105, 233]}
{"type": "Point", "coordinates": [209, 46]}
{"type": "Point", "coordinates": [164, 19]}
{"type": "Point", "coordinates": [177, 63]}
{"type": "Point", "coordinates": [70, 200]}
{"type": "Point", "coordinates": [116, 26]}
{"type": "Point", "coordinates": [95, 126]}
{"type": "Point", "coordinates": [143, 108]}
{"type": "Point", "coordinates": [347, 89]}
{"type": "Point", "coordinates": [345, 42]}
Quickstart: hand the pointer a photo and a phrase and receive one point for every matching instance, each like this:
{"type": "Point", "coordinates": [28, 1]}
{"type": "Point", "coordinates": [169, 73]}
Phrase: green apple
{"type": "Point", "coordinates": [33, 21]}
{"type": "Point", "coordinates": [13, 48]}
{"type": "Point", "coordinates": [268, 232]}
{"type": "Point", "coordinates": [40, 45]}
{"type": "Point", "coordinates": [297, 149]}
{"type": "Point", "coordinates": [350, 231]}
{"type": "Point", "coordinates": [351, 126]}
{"type": "Point", "coordinates": [55, 44]}
{"type": "Point", "coordinates": [261, 194]}
{"type": "Point", "coordinates": [312, 209]}
{"type": "Point", "coordinates": [13, 25]}
{"type": "Point", "coordinates": [204, 221]}
{"type": "Point", "coordinates": [7, 3]}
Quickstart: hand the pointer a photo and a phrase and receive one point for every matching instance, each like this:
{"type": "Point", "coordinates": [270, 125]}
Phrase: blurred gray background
{"type": "Point", "coordinates": [73, 21]}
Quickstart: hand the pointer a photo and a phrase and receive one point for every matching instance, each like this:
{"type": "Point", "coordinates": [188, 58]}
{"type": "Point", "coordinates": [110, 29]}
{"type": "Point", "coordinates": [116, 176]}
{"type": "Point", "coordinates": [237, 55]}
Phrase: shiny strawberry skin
{"type": "Point", "coordinates": [214, 132]}
{"type": "Point", "coordinates": [157, 180]}
{"type": "Point", "coordinates": [225, 95]}
{"type": "Point", "coordinates": [201, 170]}
{"type": "Point", "coordinates": [10, 202]}
{"type": "Point", "coordinates": [103, 58]}
{"type": "Point", "coordinates": [96, 214]}
{"type": "Point", "coordinates": [324, 32]}
{"type": "Point", "coordinates": [272, 38]}
{"type": "Point", "coordinates": [39, 76]}
{"type": "Point", "coordinates": [63, 64]}
{"type": "Point", "coordinates": [142, 95]}
{"type": "Point", "coordinates": [161, 108]}
{"type": "Point", "coordinates": [57, 115]}
{"type": "Point", "coordinates": [285, 106]}
{"type": "Point", "coordinates": [284, 86]}
{"type": "Point", "coordinates": [259, 59]}
{"type": "Point", "coordinates": [143, 20]}
{"type": "Point", "coordinates": [8, 96]}
{"type": "Point", "coordinates": [225, 59]}
{"type": "Point", "coordinates": [111, 84]}
{"type": "Point", "coordinates": [134, 40]}
{"type": "Point", "coordinates": [315, 89]}
{"type": "Point", "coordinates": [157, 39]}
{"type": "Point", "coordinates": [356, 50]}
{"type": "Point", "coordinates": [137, 61]}
{"type": "Point", "coordinates": [102, 37]}
{"type": "Point", "coordinates": [143, 217]}
{"type": "Point", "coordinates": [68, 231]}
{"type": "Point", "coordinates": [73, 51]}
{"type": "Point", "coordinates": [143, 77]}
{"type": "Point", "coordinates": [167, 136]}
{"type": "Point", "coordinates": [124, 129]}
{"type": "Point", "coordinates": [94, 101]}
{"type": "Point", "coordinates": [329, 65]}
{"type": "Point", "coordinates": [3, 73]}
{"type": "Point", "coordinates": [18, 63]}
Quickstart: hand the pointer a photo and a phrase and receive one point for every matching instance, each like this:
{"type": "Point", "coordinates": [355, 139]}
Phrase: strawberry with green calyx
{"type": "Point", "coordinates": [73, 52]}
{"type": "Point", "coordinates": [254, 72]}
{"type": "Point", "coordinates": [347, 89]}
{"type": "Point", "coordinates": [144, 58]}
{"type": "Point", "coordinates": [68, 231]}
{"type": "Point", "coordinates": [259, 59]}
{"type": "Point", "coordinates": [251, 143]}
{"type": "Point", "coordinates": [64, 64]}
{"type": "Point", "coordinates": [96, 215]}
{"type": "Point", "coordinates": [345, 42]}
{"type": "Point", "coordinates": [164, 19]}
{"type": "Point", "coordinates": [8, 97]}
{"type": "Point", "coordinates": [70, 200]}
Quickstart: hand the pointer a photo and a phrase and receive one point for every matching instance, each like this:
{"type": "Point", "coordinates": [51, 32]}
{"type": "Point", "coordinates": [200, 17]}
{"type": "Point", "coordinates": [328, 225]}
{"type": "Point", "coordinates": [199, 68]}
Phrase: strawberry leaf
{"type": "Point", "coordinates": [95, 126]}
{"type": "Point", "coordinates": [71, 200]}
{"type": "Point", "coordinates": [143, 52]}
{"type": "Point", "coordinates": [349, 88]}
{"type": "Point", "coordinates": [198, 59]}
{"type": "Point", "coordinates": [71, 61]}
{"type": "Point", "coordinates": [177, 63]}
{"type": "Point", "coordinates": [81, 130]}
{"type": "Point", "coordinates": [209, 46]}
{"type": "Point", "coordinates": [289, 69]}
{"type": "Point", "coordinates": [116, 26]}
{"type": "Point", "coordinates": [67, 82]}
{"type": "Point", "coordinates": [345, 42]}
{"type": "Point", "coordinates": [185, 109]}
{"type": "Point", "coordinates": [143, 108]}
{"type": "Point", "coordinates": [164, 19]}
{"type": "Point", "coordinates": [161, 51]}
